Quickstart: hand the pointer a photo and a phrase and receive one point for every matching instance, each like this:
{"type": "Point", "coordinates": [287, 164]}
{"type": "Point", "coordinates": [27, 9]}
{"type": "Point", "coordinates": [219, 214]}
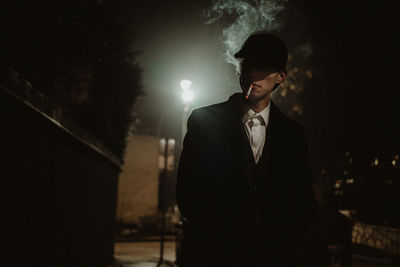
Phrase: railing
{"type": "Point", "coordinates": [23, 91]}
{"type": "Point", "coordinates": [379, 237]}
{"type": "Point", "coordinates": [59, 186]}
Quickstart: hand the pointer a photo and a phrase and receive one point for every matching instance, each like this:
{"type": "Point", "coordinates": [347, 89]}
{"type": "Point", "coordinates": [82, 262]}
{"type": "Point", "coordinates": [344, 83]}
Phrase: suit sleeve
{"type": "Point", "coordinates": [309, 202]}
{"type": "Point", "coordinates": [190, 191]}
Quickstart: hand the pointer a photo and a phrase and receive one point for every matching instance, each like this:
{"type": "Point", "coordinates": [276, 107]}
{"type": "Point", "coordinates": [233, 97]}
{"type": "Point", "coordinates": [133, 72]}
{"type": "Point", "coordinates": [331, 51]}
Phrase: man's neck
{"type": "Point", "coordinates": [259, 106]}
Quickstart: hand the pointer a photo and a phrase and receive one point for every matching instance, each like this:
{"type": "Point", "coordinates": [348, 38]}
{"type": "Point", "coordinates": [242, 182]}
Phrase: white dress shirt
{"type": "Point", "coordinates": [255, 125]}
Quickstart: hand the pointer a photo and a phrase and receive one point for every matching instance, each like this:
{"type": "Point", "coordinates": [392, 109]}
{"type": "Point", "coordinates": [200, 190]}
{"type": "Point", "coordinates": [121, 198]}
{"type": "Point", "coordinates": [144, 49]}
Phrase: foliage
{"type": "Point", "coordinates": [80, 57]}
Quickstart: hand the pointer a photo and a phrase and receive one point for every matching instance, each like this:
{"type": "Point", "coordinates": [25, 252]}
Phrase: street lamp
{"type": "Point", "coordinates": [187, 94]}
{"type": "Point", "coordinates": [166, 162]}
{"type": "Point", "coordinates": [187, 97]}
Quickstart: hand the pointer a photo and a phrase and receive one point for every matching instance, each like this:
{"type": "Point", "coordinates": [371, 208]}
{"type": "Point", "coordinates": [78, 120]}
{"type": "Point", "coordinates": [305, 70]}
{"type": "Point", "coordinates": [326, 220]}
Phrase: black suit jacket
{"type": "Point", "coordinates": [214, 187]}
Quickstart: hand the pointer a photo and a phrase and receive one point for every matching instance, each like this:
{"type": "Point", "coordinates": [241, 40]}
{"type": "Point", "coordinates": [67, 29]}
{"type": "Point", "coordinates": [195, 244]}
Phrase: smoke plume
{"type": "Point", "coordinates": [245, 18]}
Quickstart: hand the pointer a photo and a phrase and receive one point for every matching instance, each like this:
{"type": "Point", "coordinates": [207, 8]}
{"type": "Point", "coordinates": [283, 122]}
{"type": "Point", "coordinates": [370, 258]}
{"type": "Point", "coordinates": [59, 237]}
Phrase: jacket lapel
{"type": "Point", "coordinates": [238, 138]}
{"type": "Point", "coordinates": [273, 145]}
{"type": "Point", "coordinates": [239, 134]}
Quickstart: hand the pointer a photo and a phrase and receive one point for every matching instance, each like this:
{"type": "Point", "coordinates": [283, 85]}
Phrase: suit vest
{"type": "Point", "coordinates": [256, 175]}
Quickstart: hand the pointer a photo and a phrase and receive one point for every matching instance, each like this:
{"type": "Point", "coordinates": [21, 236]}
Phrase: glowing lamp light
{"type": "Point", "coordinates": [185, 84]}
{"type": "Point", "coordinates": [187, 95]}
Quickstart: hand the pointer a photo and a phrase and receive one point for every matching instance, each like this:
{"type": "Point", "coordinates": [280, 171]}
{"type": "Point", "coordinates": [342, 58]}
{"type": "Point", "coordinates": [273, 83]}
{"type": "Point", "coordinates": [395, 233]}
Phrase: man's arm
{"type": "Point", "coordinates": [190, 193]}
{"type": "Point", "coordinates": [309, 202]}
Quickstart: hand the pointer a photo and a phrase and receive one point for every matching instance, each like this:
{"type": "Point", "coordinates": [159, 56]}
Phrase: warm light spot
{"type": "Point", "coordinates": [297, 109]}
{"type": "Point", "coordinates": [350, 181]}
{"type": "Point", "coordinates": [376, 161]}
{"type": "Point", "coordinates": [163, 142]}
{"type": "Point", "coordinates": [171, 144]}
{"type": "Point", "coordinates": [393, 162]}
{"type": "Point", "coordinates": [309, 74]}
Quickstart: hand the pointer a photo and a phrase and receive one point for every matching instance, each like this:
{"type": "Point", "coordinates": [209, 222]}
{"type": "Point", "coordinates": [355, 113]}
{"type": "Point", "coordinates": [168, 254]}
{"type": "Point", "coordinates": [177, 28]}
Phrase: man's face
{"type": "Point", "coordinates": [263, 82]}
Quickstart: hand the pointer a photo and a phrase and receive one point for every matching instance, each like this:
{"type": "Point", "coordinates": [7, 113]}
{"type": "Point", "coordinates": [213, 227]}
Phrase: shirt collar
{"type": "Point", "coordinates": [251, 114]}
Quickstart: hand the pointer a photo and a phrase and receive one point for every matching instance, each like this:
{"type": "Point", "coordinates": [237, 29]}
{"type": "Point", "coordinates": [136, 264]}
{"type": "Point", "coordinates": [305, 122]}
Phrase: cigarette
{"type": "Point", "coordinates": [249, 91]}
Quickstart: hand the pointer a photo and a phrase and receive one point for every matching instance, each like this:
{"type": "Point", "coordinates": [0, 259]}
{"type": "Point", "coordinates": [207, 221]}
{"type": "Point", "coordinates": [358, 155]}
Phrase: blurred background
{"type": "Point", "coordinates": [94, 97]}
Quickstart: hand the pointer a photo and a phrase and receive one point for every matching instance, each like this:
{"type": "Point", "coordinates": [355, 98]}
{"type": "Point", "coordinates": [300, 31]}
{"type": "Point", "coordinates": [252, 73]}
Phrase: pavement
{"type": "Point", "coordinates": [146, 253]}
{"type": "Point", "coordinates": [143, 253]}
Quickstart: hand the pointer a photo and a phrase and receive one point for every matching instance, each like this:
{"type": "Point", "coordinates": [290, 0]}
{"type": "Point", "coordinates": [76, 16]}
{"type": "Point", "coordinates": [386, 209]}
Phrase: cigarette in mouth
{"type": "Point", "coordinates": [249, 91]}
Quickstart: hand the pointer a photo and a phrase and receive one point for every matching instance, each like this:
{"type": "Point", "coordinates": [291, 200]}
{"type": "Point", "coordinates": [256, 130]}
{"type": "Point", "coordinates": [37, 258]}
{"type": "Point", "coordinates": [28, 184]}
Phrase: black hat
{"type": "Point", "coordinates": [264, 50]}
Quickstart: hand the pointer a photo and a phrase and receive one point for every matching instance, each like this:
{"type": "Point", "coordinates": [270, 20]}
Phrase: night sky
{"type": "Point", "coordinates": [351, 101]}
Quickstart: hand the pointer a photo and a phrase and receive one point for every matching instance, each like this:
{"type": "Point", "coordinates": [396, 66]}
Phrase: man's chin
{"type": "Point", "coordinates": [257, 98]}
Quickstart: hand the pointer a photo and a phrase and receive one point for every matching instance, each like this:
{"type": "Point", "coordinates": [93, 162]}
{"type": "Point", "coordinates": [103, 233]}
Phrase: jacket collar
{"type": "Point", "coordinates": [238, 105]}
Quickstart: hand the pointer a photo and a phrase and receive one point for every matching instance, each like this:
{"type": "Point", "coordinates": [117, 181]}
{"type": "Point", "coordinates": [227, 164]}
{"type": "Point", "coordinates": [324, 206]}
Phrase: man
{"type": "Point", "coordinates": [244, 188]}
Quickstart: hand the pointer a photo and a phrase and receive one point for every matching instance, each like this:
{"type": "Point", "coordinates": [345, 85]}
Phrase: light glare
{"type": "Point", "coordinates": [185, 84]}
{"type": "Point", "coordinates": [187, 95]}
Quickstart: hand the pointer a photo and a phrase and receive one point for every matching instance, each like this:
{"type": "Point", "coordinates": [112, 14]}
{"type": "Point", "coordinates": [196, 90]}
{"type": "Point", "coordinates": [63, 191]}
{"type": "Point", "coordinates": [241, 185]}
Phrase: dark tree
{"type": "Point", "coordinates": [79, 57]}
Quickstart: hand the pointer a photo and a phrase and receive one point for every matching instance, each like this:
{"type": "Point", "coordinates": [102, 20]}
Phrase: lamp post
{"type": "Point", "coordinates": [187, 97]}
{"type": "Point", "coordinates": [166, 166]}
{"type": "Point", "coordinates": [166, 162]}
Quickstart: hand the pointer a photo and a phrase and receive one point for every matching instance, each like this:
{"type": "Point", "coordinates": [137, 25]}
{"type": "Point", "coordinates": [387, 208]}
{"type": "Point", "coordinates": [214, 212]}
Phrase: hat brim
{"type": "Point", "coordinates": [238, 54]}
